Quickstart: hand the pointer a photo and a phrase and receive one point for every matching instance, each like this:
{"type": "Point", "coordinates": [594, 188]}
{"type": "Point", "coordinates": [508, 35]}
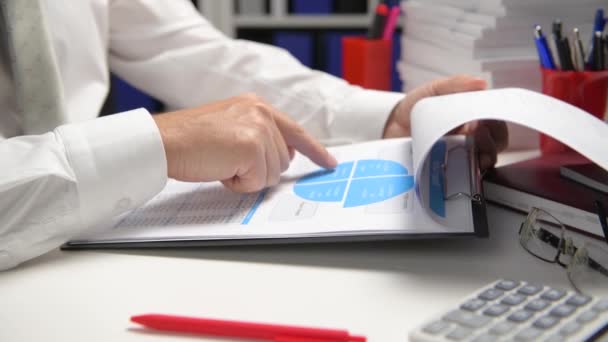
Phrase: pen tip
{"type": "Point", "coordinates": [135, 319]}
{"type": "Point", "coordinates": [141, 319]}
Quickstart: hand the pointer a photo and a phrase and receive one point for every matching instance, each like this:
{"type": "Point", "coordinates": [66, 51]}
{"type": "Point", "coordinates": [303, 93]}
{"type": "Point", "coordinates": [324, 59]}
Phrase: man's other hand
{"type": "Point", "coordinates": [490, 136]}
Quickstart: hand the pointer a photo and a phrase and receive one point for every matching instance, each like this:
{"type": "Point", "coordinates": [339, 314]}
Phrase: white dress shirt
{"type": "Point", "coordinates": [56, 184]}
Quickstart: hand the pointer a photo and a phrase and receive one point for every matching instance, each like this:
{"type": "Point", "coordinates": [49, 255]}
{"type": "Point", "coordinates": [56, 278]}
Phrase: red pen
{"type": "Point", "coordinates": [259, 331]}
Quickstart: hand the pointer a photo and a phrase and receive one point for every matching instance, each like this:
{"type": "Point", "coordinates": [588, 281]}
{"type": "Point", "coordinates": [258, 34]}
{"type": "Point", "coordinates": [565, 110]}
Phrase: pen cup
{"type": "Point", "coordinates": [587, 90]}
{"type": "Point", "coordinates": [367, 62]}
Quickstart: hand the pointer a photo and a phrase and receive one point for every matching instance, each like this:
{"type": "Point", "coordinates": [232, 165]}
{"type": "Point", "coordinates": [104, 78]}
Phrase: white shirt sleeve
{"type": "Point", "coordinates": [167, 49]}
{"type": "Point", "coordinates": [56, 185]}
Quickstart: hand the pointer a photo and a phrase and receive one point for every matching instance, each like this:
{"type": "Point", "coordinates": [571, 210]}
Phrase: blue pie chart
{"type": "Point", "coordinates": [356, 183]}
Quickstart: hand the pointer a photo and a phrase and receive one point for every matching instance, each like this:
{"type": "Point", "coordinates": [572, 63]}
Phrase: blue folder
{"type": "Point", "coordinates": [299, 44]}
{"type": "Point", "coordinates": [126, 97]}
{"type": "Point", "coordinates": [312, 6]}
{"type": "Point", "coordinates": [396, 82]}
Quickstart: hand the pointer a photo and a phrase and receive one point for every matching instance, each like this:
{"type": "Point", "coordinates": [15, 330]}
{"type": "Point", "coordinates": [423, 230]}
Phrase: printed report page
{"type": "Point", "coordinates": [372, 190]}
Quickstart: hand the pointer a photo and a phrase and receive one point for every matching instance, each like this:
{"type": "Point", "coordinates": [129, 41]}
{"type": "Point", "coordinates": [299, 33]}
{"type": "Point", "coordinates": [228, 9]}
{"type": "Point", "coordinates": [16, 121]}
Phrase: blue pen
{"type": "Point", "coordinates": [544, 53]}
{"type": "Point", "coordinates": [598, 25]}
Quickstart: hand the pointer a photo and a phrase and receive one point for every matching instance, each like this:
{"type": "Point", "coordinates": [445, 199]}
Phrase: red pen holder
{"type": "Point", "coordinates": [587, 90]}
{"type": "Point", "coordinates": [367, 62]}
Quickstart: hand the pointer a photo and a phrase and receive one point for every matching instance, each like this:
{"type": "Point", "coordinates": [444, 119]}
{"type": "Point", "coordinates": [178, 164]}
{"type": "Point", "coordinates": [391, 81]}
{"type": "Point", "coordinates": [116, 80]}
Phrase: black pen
{"type": "Point", "coordinates": [606, 54]}
{"type": "Point", "coordinates": [559, 45]}
{"type": "Point", "coordinates": [556, 29]}
{"type": "Point", "coordinates": [598, 51]}
{"type": "Point", "coordinates": [378, 22]}
{"type": "Point", "coordinates": [598, 25]}
{"type": "Point", "coordinates": [567, 62]}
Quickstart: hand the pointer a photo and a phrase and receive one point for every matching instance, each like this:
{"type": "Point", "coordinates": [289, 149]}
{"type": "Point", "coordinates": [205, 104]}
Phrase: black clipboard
{"type": "Point", "coordinates": [475, 196]}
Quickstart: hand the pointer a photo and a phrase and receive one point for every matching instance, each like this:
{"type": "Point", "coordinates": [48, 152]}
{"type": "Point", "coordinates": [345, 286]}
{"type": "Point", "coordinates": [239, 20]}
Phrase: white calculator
{"type": "Point", "coordinates": [508, 310]}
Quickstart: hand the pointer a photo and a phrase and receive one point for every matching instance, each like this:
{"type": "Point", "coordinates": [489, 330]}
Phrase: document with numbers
{"type": "Point", "coordinates": [424, 186]}
{"type": "Point", "coordinates": [370, 194]}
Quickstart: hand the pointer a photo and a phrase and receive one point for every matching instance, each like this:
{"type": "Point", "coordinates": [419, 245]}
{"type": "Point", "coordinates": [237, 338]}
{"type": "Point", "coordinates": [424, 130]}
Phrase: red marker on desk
{"type": "Point", "coordinates": [259, 331]}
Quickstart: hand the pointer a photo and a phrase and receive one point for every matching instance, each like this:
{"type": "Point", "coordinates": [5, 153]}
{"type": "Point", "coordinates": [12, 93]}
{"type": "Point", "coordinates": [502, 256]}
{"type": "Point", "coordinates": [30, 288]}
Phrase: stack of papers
{"type": "Point", "coordinates": [491, 39]}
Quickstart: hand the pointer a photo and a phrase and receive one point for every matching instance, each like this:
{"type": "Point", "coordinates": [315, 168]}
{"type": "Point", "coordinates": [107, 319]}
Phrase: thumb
{"type": "Point", "coordinates": [455, 84]}
{"type": "Point", "coordinates": [444, 86]}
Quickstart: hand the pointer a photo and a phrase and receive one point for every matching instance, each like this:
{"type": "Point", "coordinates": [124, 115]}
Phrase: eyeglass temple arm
{"type": "Point", "coordinates": [601, 212]}
{"type": "Point", "coordinates": [594, 265]}
{"type": "Point", "coordinates": [554, 240]}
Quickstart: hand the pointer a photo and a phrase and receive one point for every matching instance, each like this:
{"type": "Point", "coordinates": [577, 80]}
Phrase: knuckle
{"type": "Point", "coordinates": [260, 119]}
{"type": "Point", "coordinates": [250, 140]}
{"type": "Point", "coordinates": [263, 109]}
{"type": "Point", "coordinates": [249, 97]}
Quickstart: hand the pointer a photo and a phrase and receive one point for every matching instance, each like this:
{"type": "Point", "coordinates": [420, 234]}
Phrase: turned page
{"type": "Point", "coordinates": [436, 116]}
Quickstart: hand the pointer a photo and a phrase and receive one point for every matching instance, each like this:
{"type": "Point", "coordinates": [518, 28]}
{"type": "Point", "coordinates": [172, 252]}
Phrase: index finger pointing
{"type": "Point", "coordinates": [296, 137]}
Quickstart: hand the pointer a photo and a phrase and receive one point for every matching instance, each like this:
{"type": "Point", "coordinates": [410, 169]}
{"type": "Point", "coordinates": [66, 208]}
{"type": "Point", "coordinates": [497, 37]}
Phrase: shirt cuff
{"type": "Point", "coordinates": [364, 114]}
{"type": "Point", "coordinates": [119, 163]}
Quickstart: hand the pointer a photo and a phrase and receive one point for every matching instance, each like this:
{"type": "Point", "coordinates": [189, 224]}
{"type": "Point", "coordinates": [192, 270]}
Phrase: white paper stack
{"type": "Point", "coordinates": [492, 39]}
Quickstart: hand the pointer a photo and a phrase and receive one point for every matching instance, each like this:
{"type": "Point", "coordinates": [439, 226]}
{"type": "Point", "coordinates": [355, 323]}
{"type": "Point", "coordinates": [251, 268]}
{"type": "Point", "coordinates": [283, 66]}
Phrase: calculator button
{"type": "Point", "coordinates": [496, 310]}
{"type": "Point", "coordinates": [529, 289]}
{"type": "Point", "coordinates": [520, 316]}
{"type": "Point", "coordinates": [467, 319]}
{"type": "Point", "coordinates": [570, 328]}
{"type": "Point", "coordinates": [491, 294]}
{"type": "Point", "coordinates": [502, 328]}
{"type": "Point", "coordinates": [587, 316]}
{"type": "Point", "coordinates": [436, 327]}
{"type": "Point", "coordinates": [473, 304]}
{"type": "Point", "coordinates": [458, 334]}
{"type": "Point", "coordinates": [546, 322]}
{"type": "Point", "coordinates": [578, 300]}
{"type": "Point", "coordinates": [485, 338]}
{"type": "Point", "coordinates": [555, 338]}
{"type": "Point", "coordinates": [553, 294]}
{"type": "Point", "coordinates": [513, 299]}
{"type": "Point", "coordinates": [507, 285]}
{"type": "Point", "coordinates": [562, 311]}
{"type": "Point", "coordinates": [601, 306]}
{"type": "Point", "coordinates": [537, 305]}
{"type": "Point", "coordinates": [528, 334]}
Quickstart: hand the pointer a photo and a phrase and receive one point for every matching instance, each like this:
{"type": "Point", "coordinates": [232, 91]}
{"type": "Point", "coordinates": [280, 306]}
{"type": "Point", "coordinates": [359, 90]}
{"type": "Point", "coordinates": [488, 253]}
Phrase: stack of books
{"type": "Point", "coordinates": [491, 39]}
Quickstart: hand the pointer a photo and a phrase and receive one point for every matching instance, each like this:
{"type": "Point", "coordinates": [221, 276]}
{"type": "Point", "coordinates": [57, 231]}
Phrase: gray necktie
{"type": "Point", "coordinates": [30, 59]}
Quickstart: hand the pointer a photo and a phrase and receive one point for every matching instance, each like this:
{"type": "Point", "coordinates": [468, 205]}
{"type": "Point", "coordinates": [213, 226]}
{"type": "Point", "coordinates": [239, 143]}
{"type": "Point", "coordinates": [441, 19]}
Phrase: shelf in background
{"type": "Point", "coordinates": [303, 21]}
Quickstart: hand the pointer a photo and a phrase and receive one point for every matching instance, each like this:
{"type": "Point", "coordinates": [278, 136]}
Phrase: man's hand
{"type": "Point", "coordinates": [491, 136]}
{"type": "Point", "coordinates": [242, 141]}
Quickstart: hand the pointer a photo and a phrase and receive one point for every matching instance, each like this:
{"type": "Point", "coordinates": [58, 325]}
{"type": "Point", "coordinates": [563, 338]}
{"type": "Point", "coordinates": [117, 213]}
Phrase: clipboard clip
{"type": "Point", "coordinates": [475, 174]}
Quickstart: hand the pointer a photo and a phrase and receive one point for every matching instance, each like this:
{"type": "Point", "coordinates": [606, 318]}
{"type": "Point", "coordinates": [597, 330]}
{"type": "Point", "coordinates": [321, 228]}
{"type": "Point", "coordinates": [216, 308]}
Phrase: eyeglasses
{"type": "Point", "coordinates": [545, 237]}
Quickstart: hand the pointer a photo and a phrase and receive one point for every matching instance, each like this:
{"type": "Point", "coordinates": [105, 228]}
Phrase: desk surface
{"type": "Point", "coordinates": [381, 290]}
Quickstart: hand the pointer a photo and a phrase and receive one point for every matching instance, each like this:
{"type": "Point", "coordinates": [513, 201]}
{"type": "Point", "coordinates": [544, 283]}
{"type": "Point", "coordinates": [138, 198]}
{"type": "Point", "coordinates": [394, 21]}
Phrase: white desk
{"type": "Point", "coordinates": [381, 290]}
